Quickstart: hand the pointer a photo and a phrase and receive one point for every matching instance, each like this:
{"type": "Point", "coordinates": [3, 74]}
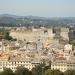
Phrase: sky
{"type": "Point", "coordinates": [42, 8]}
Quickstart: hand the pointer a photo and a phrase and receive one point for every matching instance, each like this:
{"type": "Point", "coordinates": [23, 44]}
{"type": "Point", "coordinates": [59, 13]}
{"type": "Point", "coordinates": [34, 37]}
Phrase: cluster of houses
{"type": "Point", "coordinates": [35, 45]}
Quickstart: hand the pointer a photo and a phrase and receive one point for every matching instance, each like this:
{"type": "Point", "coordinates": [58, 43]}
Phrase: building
{"type": "Point", "coordinates": [12, 61]}
{"type": "Point", "coordinates": [32, 34]}
{"type": "Point", "coordinates": [68, 48]}
{"type": "Point", "coordinates": [64, 33]}
{"type": "Point", "coordinates": [62, 64]}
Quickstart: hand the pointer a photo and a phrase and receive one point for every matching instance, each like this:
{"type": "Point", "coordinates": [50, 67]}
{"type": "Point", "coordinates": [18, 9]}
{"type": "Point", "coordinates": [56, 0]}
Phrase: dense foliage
{"type": "Point", "coordinates": [4, 34]}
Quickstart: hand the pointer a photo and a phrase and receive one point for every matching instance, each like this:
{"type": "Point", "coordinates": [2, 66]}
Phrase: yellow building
{"type": "Point", "coordinates": [62, 64]}
{"type": "Point", "coordinates": [13, 61]}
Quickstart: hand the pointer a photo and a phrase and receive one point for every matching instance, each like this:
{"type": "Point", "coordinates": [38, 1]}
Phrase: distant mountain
{"type": "Point", "coordinates": [8, 18]}
{"type": "Point", "coordinates": [36, 20]}
{"type": "Point", "coordinates": [8, 15]}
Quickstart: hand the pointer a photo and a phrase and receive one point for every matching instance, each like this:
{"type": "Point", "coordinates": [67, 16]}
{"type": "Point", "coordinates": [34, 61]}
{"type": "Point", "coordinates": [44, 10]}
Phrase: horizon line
{"type": "Point", "coordinates": [37, 16]}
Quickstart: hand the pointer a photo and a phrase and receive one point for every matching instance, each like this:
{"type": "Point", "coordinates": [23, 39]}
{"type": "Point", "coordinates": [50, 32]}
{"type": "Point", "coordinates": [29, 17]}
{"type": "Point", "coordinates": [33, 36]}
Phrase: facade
{"type": "Point", "coordinates": [13, 61]}
{"type": "Point", "coordinates": [63, 64]}
{"type": "Point", "coordinates": [14, 64]}
{"type": "Point", "coordinates": [32, 34]}
{"type": "Point", "coordinates": [65, 33]}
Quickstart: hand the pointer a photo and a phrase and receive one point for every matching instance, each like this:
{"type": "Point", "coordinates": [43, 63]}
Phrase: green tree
{"type": "Point", "coordinates": [69, 72]}
{"type": "Point", "coordinates": [39, 69]}
{"type": "Point", "coordinates": [7, 71]}
{"type": "Point", "coordinates": [72, 42]}
{"type": "Point", "coordinates": [57, 72]}
{"type": "Point", "coordinates": [22, 71]}
{"type": "Point", "coordinates": [6, 36]}
{"type": "Point", "coordinates": [49, 72]}
{"type": "Point", "coordinates": [53, 72]}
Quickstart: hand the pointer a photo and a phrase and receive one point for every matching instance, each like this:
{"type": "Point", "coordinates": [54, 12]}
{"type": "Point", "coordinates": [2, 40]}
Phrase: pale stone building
{"type": "Point", "coordinates": [32, 34]}
{"type": "Point", "coordinates": [62, 64]}
{"type": "Point", "coordinates": [12, 61]}
{"type": "Point", "coordinates": [68, 48]}
{"type": "Point", "coordinates": [64, 33]}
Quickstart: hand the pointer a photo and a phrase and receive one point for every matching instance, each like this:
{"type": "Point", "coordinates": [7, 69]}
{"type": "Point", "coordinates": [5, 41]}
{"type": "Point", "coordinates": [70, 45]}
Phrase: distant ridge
{"type": "Point", "coordinates": [8, 15]}
{"type": "Point", "coordinates": [35, 20]}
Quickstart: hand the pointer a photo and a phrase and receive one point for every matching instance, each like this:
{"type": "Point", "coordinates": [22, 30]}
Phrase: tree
{"type": "Point", "coordinates": [72, 42]}
{"type": "Point", "coordinates": [6, 36]}
{"type": "Point", "coordinates": [69, 72]}
{"type": "Point", "coordinates": [39, 69]}
{"type": "Point", "coordinates": [57, 72]}
{"type": "Point", "coordinates": [7, 71]}
{"type": "Point", "coordinates": [53, 72]}
{"type": "Point", "coordinates": [48, 72]}
{"type": "Point", "coordinates": [22, 71]}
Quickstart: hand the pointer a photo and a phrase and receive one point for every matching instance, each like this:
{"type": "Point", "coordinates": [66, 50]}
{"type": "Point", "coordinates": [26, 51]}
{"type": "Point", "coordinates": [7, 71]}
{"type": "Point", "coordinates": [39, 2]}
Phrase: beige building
{"type": "Point", "coordinates": [68, 47]}
{"type": "Point", "coordinates": [32, 34]}
{"type": "Point", "coordinates": [64, 33]}
{"type": "Point", "coordinates": [62, 64]}
{"type": "Point", "coordinates": [13, 61]}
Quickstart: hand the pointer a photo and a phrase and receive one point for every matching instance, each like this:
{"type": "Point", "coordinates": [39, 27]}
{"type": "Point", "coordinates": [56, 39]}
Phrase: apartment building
{"type": "Point", "coordinates": [13, 61]}
{"type": "Point", "coordinates": [62, 64]}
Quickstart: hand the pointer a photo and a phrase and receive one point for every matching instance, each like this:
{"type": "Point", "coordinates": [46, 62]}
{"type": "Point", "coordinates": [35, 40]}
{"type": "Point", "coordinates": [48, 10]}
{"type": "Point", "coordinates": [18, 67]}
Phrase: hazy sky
{"type": "Point", "coordinates": [45, 8]}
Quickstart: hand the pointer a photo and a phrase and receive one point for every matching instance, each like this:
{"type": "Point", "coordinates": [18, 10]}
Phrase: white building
{"type": "Point", "coordinates": [62, 64]}
{"type": "Point", "coordinates": [13, 61]}
{"type": "Point", "coordinates": [64, 33]}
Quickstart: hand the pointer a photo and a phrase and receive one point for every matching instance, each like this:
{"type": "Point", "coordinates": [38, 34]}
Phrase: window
{"type": "Point", "coordinates": [15, 62]}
